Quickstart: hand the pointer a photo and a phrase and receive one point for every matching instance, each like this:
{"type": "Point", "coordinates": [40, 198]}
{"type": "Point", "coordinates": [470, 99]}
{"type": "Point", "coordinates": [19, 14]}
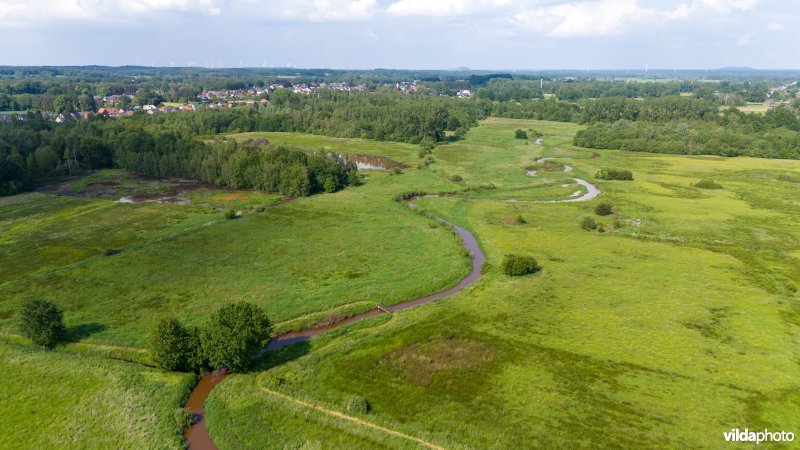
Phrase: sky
{"type": "Point", "coordinates": [404, 34]}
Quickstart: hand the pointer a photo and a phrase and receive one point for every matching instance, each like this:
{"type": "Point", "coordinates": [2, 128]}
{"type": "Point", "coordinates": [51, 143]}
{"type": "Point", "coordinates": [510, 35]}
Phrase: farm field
{"type": "Point", "coordinates": [622, 340]}
{"type": "Point", "coordinates": [679, 321]}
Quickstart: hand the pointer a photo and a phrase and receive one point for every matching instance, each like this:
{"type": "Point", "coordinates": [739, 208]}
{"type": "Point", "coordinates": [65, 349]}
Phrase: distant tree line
{"type": "Point", "coordinates": [169, 144]}
{"type": "Point", "coordinates": [775, 134]}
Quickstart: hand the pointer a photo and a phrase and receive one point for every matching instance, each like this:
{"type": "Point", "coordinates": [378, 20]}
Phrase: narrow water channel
{"type": "Point", "coordinates": [197, 436]}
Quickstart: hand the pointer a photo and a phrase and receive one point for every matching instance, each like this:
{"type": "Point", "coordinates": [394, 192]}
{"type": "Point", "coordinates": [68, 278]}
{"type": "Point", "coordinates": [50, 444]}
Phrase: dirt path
{"type": "Point", "coordinates": [343, 416]}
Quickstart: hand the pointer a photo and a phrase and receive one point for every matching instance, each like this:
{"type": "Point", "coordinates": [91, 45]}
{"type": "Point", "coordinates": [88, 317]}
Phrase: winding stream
{"type": "Point", "coordinates": [197, 436]}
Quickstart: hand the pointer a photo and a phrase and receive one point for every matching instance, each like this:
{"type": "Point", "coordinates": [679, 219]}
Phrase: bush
{"type": "Point", "coordinates": [521, 134]}
{"type": "Point", "coordinates": [111, 251]}
{"type": "Point", "coordinates": [603, 209]}
{"type": "Point", "coordinates": [588, 224]}
{"type": "Point", "coordinates": [169, 345]}
{"type": "Point", "coordinates": [231, 214]}
{"type": "Point", "coordinates": [235, 335]}
{"type": "Point", "coordinates": [456, 178]}
{"type": "Point", "coordinates": [514, 265]}
{"type": "Point", "coordinates": [42, 322]}
{"type": "Point", "coordinates": [407, 195]}
{"type": "Point", "coordinates": [356, 404]}
{"type": "Point", "coordinates": [707, 184]}
{"type": "Point", "coordinates": [183, 419]}
{"type": "Point", "coordinates": [613, 174]}
{"type": "Point", "coordinates": [396, 171]}
{"type": "Point", "coordinates": [521, 220]}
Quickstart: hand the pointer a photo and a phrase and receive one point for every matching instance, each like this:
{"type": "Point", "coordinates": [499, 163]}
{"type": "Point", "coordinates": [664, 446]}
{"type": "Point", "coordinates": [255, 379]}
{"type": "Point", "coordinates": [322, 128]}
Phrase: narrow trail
{"type": "Point", "coordinates": [197, 436]}
{"type": "Point", "coordinates": [353, 419]}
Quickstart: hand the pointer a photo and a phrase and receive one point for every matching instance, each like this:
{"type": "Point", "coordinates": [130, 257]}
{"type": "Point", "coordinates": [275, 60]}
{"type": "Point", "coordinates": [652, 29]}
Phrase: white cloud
{"type": "Point", "coordinates": [318, 10]}
{"type": "Point", "coordinates": [27, 12]}
{"type": "Point", "coordinates": [615, 17]}
{"type": "Point", "coordinates": [775, 26]}
{"type": "Point", "coordinates": [588, 18]}
{"type": "Point", "coordinates": [443, 7]}
{"type": "Point", "coordinates": [728, 5]}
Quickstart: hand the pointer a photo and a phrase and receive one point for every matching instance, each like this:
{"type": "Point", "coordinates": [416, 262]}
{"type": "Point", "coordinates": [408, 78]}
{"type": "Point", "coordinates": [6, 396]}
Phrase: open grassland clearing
{"type": "Point", "coordinates": [60, 400]}
{"type": "Point", "coordinates": [679, 322]}
{"type": "Point", "coordinates": [324, 255]}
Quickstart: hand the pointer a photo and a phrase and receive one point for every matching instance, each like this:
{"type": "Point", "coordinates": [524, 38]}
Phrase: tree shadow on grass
{"type": "Point", "coordinates": [275, 356]}
{"type": "Point", "coordinates": [83, 331]}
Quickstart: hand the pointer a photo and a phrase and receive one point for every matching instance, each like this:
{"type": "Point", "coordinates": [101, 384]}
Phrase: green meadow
{"type": "Point", "coordinates": [62, 400]}
{"type": "Point", "coordinates": [677, 322]}
{"type": "Point", "coordinates": [663, 334]}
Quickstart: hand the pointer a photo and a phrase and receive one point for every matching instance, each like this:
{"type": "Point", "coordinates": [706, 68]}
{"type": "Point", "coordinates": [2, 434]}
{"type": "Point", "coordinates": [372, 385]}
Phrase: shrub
{"type": "Point", "coordinates": [456, 178]}
{"type": "Point", "coordinates": [231, 214]}
{"type": "Point", "coordinates": [235, 335]}
{"type": "Point", "coordinates": [521, 220]}
{"type": "Point", "coordinates": [521, 134]}
{"type": "Point", "coordinates": [515, 265]}
{"type": "Point", "coordinates": [588, 224]}
{"type": "Point", "coordinates": [613, 174]}
{"type": "Point", "coordinates": [169, 345]}
{"type": "Point", "coordinates": [111, 251]}
{"type": "Point", "coordinates": [42, 322]}
{"type": "Point", "coordinates": [707, 184]}
{"type": "Point", "coordinates": [601, 228]}
{"type": "Point", "coordinates": [259, 209]}
{"type": "Point", "coordinates": [183, 419]}
{"type": "Point", "coordinates": [407, 195]}
{"type": "Point", "coordinates": [396, 171]}
{"type": "Point", "coordinates": [356, 404]}
{"type": "Point", "coordinates": [603, 209]}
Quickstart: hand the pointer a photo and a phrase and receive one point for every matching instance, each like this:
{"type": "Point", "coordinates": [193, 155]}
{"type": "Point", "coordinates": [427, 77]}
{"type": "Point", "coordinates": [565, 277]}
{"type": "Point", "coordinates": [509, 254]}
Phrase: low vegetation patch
{"type": "Point", "coordinates": [546, 166]}
{"type": "Point", "coordinates": [421, 362]}
{"type": "Point", "coordinates": [520, 134]}
{"type": "Point", "coordinates": [604, 209]}
{"type": "Point", "coordinates": [613, 174]}
{"type": "Point", "coordinates": [408, 195]}
{"type": "Point", "coordinates": [588, 224]}
{"type": "Point", "coordinates": [707, 184]}
{"type": "Point", "coordinates": [357, 405]}
{"type": "Point", "coordinates": [515, 265]}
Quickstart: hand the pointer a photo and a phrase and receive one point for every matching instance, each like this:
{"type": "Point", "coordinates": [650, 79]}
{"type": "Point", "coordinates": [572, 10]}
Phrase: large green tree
{"type": "Point", "coordinates": [235, 335]}
{"type": "Point", "coordinates": [169, 345]}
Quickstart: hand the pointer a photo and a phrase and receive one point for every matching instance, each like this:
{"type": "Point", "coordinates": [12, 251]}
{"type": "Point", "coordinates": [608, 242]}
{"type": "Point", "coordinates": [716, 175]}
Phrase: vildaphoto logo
{"type": "Point", "coordinates": [737, 435]}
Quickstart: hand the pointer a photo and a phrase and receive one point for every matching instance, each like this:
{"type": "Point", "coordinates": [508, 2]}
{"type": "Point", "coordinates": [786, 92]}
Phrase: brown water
{"type": "Point", "coordinates": [197, 436]}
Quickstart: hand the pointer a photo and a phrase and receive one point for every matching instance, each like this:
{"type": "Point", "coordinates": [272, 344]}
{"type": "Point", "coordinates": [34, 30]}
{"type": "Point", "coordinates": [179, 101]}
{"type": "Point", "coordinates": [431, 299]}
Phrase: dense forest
{"type": "Point", "coordinates": [775, 134]}
{"type": "Point", "coordinates": [168, 144]}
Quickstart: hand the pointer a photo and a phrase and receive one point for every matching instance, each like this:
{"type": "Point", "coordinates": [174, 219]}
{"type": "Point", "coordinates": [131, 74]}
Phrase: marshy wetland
{"type": "Point", "coordinates": [688, 294]}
